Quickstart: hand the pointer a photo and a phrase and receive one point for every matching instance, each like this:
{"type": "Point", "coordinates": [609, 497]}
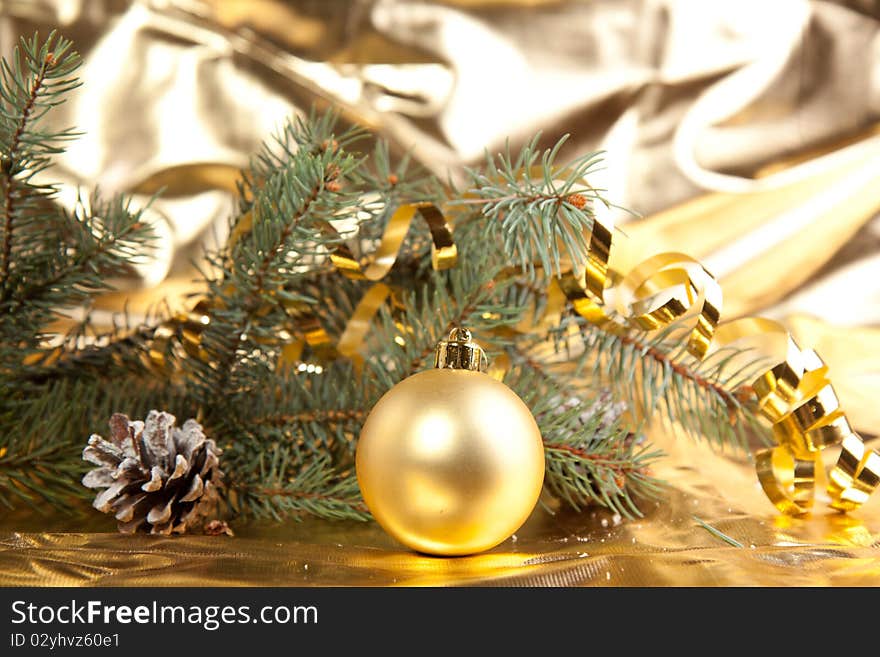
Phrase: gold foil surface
{"type": "Point", "coordinates": [668, 547]}
{"type": "Point", "coordinates": [723, 126]}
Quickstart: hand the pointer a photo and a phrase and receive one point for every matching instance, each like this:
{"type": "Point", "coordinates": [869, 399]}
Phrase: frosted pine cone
{"type": "Point", "coordinates": [156, 477]}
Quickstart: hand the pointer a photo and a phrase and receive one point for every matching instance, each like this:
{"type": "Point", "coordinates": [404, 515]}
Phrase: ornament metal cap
{"type": "Point", "coordinates": [460, 352]}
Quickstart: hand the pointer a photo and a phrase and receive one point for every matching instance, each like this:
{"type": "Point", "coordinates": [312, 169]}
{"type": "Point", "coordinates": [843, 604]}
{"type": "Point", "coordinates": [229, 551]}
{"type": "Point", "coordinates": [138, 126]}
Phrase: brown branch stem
{"type": "Point", "coordinates": [333, 416]}
{"type": "Point", "coordinates": [281, 492]}
{"type": "Point", "coordinates": [576, 198]}
{"type": "Point", "coordinates": [12, 155]}
{"type": "Point", "coordinates": [620, 465]}
{"type": "Point", "coordinates": [730, 398]}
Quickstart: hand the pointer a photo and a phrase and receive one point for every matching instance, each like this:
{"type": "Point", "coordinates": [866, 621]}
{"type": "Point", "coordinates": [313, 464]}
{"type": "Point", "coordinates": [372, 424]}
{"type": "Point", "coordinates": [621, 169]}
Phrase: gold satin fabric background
{"type": "Point", "coordinates": [745, 133]}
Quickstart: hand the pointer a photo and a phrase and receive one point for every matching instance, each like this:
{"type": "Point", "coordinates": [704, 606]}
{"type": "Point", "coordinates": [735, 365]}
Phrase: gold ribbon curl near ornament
{"type": "Point", "coordinates": [793, 394]}
{"type": "Point", "coordinates": [444, 255]}
{"type": "Point", "coordinates": [187, 327]}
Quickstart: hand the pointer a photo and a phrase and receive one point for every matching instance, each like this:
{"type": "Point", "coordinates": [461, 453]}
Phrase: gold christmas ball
{"type": "Point", "coordinates": [450, 461]}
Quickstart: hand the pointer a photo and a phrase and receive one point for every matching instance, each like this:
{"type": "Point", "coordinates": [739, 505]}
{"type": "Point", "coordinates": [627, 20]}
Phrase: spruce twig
{"type": "Point", "coordinates": [705, 398]}
{"type": "Point", "coordinates": [535, 204]}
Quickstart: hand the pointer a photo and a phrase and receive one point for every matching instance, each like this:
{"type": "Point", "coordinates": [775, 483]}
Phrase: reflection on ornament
{"type": "Point", "coordinates": [450, 461]}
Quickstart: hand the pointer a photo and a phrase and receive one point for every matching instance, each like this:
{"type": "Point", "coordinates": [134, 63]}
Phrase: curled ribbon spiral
{"type": "Point", "coordinates": [444, 255]}
{"type": "Point", "coordinates": [187, 327]}
{"type": "Point", "coordinates": [793, 394]}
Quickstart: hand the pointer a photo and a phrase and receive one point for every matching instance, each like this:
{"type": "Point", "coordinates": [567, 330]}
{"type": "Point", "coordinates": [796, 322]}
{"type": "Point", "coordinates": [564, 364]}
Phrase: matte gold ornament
{"type": "Point", "coordinates": [450, 461]}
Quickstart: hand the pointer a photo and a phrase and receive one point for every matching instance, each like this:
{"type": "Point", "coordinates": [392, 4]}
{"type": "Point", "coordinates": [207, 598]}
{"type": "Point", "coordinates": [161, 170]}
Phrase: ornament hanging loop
{"type": "Point", "coordinates": [460, 352]}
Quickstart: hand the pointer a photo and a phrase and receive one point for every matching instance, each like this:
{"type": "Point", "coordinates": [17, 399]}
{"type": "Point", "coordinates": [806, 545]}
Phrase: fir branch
{"type": "Point", "coordinates": [97, 240]}
{"type": "Point", "coordinates": [51, 259]}
{"type": "Point", "coordinates": [35, 88]}
{"type": "Point", "coordinates": [259, 274]}
{"type": "Point", "coordinates": [8, 191]}
{"type": "Point", "coordinates": [279, 489]}
{"type": "Point", "coordinates": [313, 134]}
{"type": "Point", "coordinates": [33, 81]}
{"type": "Point", "coordinates": [705, 398]}
{"type": "Point", "coordinates": [610, 472]}
{"type": "Point", "coordinates": [535, 205]}
{"type": "Point", "coordinates": [44, 430]}
{"type": "Point", "coordinates": [590, 454]}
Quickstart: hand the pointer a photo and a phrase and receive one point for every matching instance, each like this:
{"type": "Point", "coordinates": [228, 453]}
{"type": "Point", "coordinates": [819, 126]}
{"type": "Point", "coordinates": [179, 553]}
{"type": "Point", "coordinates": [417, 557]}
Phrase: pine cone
{"type": "Point", "coordinates": [155, 476]}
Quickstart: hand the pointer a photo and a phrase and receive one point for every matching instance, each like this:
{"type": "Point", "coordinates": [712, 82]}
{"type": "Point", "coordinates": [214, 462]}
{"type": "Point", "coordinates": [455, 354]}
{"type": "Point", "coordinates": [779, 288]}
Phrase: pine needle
{"type": "Point", "coordinates": [717, 533]}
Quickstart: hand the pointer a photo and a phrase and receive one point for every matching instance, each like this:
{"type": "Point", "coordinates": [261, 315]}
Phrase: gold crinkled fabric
{"type": "Point", "coordinates": [669, 547]}
{"type": "Point", "coordinates": [723, 127]}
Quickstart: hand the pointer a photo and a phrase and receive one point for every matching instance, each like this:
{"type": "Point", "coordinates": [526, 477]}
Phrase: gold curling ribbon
{"type": "Point", "coordinates": [793, 394]}
{"type": "Point", "coordinates": [359, 323]}
{"type": "Point", "coordinates": [444, 253]}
